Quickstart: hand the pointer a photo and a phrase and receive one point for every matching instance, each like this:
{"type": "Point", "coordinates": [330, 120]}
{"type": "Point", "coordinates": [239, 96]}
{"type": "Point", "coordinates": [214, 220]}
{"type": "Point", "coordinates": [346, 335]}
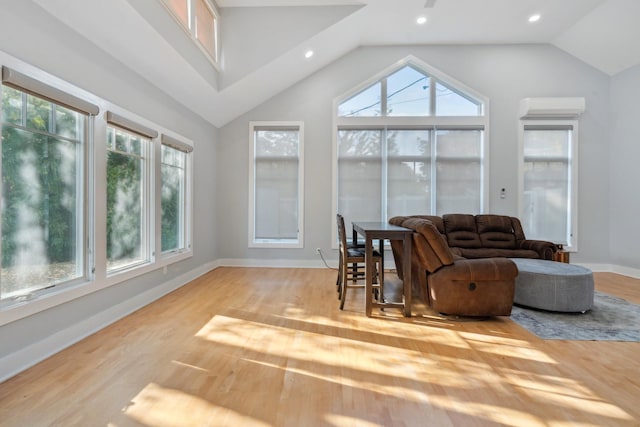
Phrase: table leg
{"type": "Point", "coordinates": [381, 272]}
{"type": "Point", "coordinates": [406, 273]}
{"type": "Point", "coordinates": [368, 275]}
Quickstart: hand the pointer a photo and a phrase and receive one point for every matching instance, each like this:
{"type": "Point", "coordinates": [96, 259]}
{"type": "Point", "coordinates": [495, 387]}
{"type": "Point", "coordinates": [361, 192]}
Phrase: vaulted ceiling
{"type": "Point", "coordinates": [264, 41]}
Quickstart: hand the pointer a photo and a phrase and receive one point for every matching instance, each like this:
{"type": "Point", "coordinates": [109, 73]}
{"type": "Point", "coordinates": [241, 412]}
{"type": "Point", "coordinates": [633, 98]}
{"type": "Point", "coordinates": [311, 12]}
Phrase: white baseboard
{"type": "Point", "coordinates": [274, 263]}
{"type": "Point", "coordinates": [287, 263]}
{"type": "Point", "coordinates": [20, 360]}
{"type": "Point", "coordinates": [612, 268]}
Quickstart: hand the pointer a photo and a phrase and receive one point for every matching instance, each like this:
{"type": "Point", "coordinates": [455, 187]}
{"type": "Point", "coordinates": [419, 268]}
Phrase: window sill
{"type": "Point", "coordinates": [13, 310]}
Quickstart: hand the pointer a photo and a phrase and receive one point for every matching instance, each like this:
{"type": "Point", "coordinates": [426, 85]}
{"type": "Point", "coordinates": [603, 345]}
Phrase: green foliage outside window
{"type": "Point", "coordinates": [43, 186]}
{"type": "Point", "coordinates": [125, 199]}
{"type": "Point", "coordinates": [173, 193]}
{"type": "Point", "coordinates": [41, 193]}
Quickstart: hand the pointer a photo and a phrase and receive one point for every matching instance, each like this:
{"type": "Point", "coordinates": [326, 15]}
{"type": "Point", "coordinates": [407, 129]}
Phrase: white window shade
{"type": "Point", "coordinates": [548, 209]}
{"type": "Point", "coordinates": [276, 186]}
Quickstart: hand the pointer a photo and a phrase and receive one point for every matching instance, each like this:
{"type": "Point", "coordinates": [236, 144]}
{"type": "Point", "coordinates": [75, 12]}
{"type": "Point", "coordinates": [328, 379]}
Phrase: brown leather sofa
{"type": "Point", "coordinates": [487, 236]}
{"type": "Point", "coordinates": [451, 284]}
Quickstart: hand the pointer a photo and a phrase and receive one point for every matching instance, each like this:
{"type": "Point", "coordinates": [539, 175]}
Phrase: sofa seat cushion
{"type": "Point", "coordinates": [461, 231]}
{"type": "Point", "coordinates": [474, 253]}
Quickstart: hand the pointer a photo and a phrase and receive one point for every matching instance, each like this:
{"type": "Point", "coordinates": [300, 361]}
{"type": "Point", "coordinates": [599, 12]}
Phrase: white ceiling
{"type": "Point", "coordinates": [602, 33]}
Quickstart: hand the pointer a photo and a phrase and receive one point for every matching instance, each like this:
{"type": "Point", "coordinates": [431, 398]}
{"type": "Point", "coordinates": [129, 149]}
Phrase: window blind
{"type": "Point", "coordinates": [35, 87]}
{"type": "Point", "coordinates": [130, 125]}
{"type": "Point", "coordinates": [175, 143]}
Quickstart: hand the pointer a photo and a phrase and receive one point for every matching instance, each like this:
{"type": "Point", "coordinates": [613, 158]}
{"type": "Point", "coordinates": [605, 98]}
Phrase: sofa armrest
{"type": "Point", "coordinates": [473, 287]}
{"type": "Point", "coordinates": [544, 249]}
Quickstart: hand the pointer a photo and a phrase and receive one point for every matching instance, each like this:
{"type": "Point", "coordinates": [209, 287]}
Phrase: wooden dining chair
{"type": "Point", "coordinates": [351, 273]}
{"type": "Point", "coordinates": [354, 271]}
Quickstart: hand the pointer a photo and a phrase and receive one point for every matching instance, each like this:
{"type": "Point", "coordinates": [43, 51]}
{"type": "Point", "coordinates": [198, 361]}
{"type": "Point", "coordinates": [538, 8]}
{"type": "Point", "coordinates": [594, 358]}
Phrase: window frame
{"type": "Point", "coordinates": [94, 183]}
{"type": "Point", "coordinates": [82, 189]}
{"type": "Point", "coordinates": [147, 189]}
{"type": "Point", "coordinates": [191, 27]}
{"type": "Point", "coordinates": [275, 243]}
{"type": "Point", "coordinates": [482, 120]}
{"type": "Point", "coordinates": [572, 161]}
{"type": "Point", "coordinates": [182, 144]}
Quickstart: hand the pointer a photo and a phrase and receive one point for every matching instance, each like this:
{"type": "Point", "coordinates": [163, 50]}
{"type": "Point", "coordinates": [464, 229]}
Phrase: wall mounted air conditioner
{"type": "Point", "coordinates": [539, 108]}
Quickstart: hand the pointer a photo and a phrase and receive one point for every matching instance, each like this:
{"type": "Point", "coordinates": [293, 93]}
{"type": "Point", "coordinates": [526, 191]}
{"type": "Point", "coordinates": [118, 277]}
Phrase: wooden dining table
{"type": "Point", "coordinates": [384, 231]}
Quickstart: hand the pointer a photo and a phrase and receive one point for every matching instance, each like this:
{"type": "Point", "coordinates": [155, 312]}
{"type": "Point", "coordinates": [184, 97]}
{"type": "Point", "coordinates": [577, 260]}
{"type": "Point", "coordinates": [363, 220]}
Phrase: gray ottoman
{"type": "Point", "coordinates": [553, 286]}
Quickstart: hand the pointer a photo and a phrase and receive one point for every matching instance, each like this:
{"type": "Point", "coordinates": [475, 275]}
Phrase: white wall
{"type": "Point", "coordinates": [28, 33]}
{"type": "Point", "coordinates": [505, 74]}
{"type": "Point", "coordinates": [625, 173]}
{"type": "Point", "coordinates": [254, 36]}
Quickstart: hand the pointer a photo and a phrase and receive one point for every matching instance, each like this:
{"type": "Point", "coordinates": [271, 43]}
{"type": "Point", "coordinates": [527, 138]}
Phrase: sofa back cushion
{"type": "Point", "coordinates": [496, 231]}
{"type": "Point", "coordinates": [430, 250]}
{"type": "Point", "coordinates": [517, 229]}
{"type": "Point", "coordinates": [435, 220]}
{"type": "Point", "coordinates": [461, 231]}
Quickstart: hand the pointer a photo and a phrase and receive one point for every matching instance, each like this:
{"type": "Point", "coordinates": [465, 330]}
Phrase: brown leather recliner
{"type": "Point", "coordinates": [451, 284]}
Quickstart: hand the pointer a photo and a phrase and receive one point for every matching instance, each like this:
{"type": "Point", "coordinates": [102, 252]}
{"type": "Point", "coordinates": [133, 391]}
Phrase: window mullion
{"type": "Point", "coordinates": [433, 179]}
{"type": "Point", "coordinates": [383, 97]}
{"type": "Point", "coordinates": [384, 173]}
{"type": "Point", "coordinates": [432, 96]}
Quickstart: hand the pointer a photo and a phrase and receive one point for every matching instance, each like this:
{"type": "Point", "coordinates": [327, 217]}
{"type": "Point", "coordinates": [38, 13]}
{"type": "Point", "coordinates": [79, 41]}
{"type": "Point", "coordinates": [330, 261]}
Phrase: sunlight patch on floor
{"type": "Point", "coordinates": [505, 347]}
{"type": "Point", "coordinates": [493, 414]}
{"type": "Point", "coordinates": [156, 406]}
{"type": "Point", "coordinates": [344, 420]}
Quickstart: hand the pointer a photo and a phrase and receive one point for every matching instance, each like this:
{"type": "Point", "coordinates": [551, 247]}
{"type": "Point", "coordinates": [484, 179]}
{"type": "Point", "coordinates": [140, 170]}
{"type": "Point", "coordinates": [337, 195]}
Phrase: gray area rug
{"type": "Point", "coordinates": [610, 319]}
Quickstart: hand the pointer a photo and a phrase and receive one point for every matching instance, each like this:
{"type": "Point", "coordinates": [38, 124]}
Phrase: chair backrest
{"type": "Point", "coordinates": [342, 235]}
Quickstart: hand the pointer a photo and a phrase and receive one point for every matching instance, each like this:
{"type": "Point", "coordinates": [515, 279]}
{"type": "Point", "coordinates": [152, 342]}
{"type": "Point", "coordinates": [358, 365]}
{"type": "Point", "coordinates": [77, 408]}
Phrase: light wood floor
{"type": "Point", "coordinates": [269, 347]}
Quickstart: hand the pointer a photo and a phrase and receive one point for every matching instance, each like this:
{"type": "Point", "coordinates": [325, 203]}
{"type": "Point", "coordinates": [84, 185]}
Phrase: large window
{"type": "Point", "coordinates": [174, 203]}
{"type": "Point", "coordinates": [549, 184]}
{"type": "Point", "coordinates": [200, 19]}
{"type": "Point", "coordinates": [410, 142]}
{"type": "Point", "coordinates": [44, 142]}
{"type": "Point", "coordinates": [88, 200]}
{"type": "Point", "coordinates": [276, 201]}
{"type": "Point", "coordinates": [128, 202]}
{"type": "Point", "coordinates": [425, 171]}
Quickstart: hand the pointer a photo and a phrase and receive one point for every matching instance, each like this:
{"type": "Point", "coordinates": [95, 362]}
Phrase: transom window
{"type": "Point", "coordinates": [410, 142]}
{"type": "Point", "coordinates": [200, 19]}
{"type": "Point", "coordinates": [409, 92]}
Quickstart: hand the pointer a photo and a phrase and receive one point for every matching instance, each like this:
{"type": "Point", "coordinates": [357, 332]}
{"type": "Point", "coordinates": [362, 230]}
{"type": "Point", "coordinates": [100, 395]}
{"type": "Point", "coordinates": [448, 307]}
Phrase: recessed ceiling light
{"type": "Point", "coordinates": [421, 20]}
{"type": "Point", "coordinates": [534, 18]}
{"type": "Point", "coordinates": [308, 54]}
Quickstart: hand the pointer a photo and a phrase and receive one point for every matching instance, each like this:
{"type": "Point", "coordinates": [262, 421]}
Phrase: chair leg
{"type": "Point", "coordinates": [343, 287]}
{"type": "Point", "coordinates": [381, 280]}
{"type": "Point", "coordinates": [339, 278]}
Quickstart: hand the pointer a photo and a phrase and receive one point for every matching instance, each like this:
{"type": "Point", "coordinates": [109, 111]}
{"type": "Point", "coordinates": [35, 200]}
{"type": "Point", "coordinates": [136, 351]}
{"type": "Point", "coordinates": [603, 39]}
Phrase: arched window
{"type": "Point", "coordinates": [410, 141]}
